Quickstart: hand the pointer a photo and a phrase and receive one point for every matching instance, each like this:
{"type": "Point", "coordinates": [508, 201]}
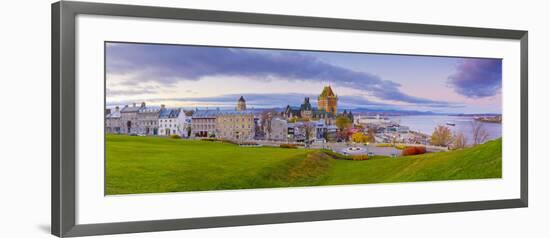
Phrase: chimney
{"type": "Point", "coordinates": [117, 109]}
{"type": "Point", "coordinates": [162, 106]}
{"type": "Point", "coordinates": [134, 104]}
{"type": "Point", "coordinates": [143, 104]}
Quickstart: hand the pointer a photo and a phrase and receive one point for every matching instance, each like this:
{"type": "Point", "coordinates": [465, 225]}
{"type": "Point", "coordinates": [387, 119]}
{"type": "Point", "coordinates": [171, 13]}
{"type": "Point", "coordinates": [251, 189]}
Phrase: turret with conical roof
{"type": "Point", "coordinates": [328, 100]}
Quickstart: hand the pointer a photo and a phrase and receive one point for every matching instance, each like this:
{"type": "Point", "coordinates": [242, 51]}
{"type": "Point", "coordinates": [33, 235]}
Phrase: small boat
{"type": "Point", "coordinates": [450, 124]}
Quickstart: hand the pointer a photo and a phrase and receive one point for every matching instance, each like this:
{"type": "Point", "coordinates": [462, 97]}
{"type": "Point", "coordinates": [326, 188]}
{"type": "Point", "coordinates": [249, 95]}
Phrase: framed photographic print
{"type": "Point", "coordinates": [167, 119]}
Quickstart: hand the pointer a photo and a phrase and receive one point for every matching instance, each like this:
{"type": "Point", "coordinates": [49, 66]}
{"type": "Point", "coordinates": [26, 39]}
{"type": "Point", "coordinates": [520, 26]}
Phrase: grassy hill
{"type": "Point", "coordinates": [153, 164]}
{"type": "Point", "coordinates": [482, 161]}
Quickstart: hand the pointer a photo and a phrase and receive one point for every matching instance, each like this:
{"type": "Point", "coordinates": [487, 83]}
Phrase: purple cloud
{"type": "Point", "coordinates": [263, 100]}
{"type": "Point", "coordinates": [168, 64]}
{"type": "Point", "coordinates": [477, 78]}
{"type": "Point", "coordinates": [271, 100]}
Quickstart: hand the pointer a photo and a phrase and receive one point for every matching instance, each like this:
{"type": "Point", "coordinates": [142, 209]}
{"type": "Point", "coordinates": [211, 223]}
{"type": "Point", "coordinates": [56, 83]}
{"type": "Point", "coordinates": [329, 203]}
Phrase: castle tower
{"type": "Point", "coordinates": [328, 101]}
{"type": "Point", "coordinates": [241, 104]}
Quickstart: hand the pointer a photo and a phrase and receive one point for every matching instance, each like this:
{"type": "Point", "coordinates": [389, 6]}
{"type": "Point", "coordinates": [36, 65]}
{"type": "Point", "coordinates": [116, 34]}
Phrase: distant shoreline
{"type": "Point", "coordinates": [490, 120]}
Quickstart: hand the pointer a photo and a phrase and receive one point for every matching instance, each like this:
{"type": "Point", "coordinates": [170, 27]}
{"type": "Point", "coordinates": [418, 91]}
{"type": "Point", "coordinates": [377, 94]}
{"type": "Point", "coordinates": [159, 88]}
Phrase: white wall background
{"type": "Point", "coordinates": [25, 116]}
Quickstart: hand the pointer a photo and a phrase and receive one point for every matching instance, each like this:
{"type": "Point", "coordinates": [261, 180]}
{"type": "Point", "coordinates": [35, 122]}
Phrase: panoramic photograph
{"type": "Point", "coordinates": [182, 118]}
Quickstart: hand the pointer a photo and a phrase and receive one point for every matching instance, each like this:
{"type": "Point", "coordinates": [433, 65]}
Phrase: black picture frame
{"type": "Point", "coordinates": [64, 107]}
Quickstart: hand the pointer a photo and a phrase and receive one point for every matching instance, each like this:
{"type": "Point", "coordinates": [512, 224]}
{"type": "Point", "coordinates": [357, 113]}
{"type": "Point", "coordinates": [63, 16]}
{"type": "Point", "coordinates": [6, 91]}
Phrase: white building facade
{"type": "Point", "coordinates": [174, 122]}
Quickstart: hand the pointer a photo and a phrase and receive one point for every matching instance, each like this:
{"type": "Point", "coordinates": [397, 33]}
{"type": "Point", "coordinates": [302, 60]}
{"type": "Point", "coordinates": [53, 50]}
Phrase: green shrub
{"type": "Point", "coordinates": [400, 147]}
{"type": "Point", "coordinates": [220, 140]}
{"type": "Point", "coordinates": [359, 157]}
{"type": "Point", "coordinates": [335, 155]}
{"type": "Point", "coordinates": [339, 156]}
{"type": "Point", "coordinates": [228, 141]}
{"type": "Point", "coordinates": [245, 143]}
{"type": "Point", "coordinates": [289, 146]}
{"type": "Point", "coordinates": [175, 137]}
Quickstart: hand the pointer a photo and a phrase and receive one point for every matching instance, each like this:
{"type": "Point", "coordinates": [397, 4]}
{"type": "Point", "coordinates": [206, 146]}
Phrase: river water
{"type": "Point", "coordinates": [427, 123]}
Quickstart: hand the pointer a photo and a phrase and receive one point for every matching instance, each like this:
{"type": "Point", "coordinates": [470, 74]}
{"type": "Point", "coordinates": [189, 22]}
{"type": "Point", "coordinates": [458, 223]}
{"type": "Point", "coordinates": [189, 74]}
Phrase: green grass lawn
{"type": "Point", "coordinates": [154, 164]}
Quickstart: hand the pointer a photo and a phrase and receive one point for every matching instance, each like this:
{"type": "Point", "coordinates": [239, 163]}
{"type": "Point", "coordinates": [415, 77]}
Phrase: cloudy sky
{"type": "Point", "coordinates": [196, 76]}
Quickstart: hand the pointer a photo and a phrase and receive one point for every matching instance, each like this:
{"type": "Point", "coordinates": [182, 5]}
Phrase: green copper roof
{"type": "Point", "coordinates": [327, 92]}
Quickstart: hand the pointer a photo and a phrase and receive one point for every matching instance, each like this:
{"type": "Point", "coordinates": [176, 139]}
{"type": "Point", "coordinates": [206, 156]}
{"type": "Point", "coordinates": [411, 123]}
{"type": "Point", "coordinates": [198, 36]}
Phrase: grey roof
{"type": "Point", "coordinates": [206, 113]}
{"type": "Point", "coordinates": [244, 112]}
{"type": "Point", "coordinates": [113, 114]}
{"type": "Point", "coordinates": [169, 113]}
{"type": "Point", "coordinates": [130, 109]}
{"type": "Point", "coordinates": [306, 105]}
{"type": "Point", "coordinates": [149, 109]}
{"type": "Point", "coordinates": [216, 113]}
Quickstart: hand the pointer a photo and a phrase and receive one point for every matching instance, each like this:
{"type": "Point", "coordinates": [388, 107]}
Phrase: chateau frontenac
{"type": "Point", "coordinates": [328, 101]}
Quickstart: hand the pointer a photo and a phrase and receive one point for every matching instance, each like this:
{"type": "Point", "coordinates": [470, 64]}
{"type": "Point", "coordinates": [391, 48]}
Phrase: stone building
{"type": "Point", "coordinates": [328, 101]}
{"type": "Point", "coordinates": [129, 119]}
{"type": "Point", "coordinates": [235, 125]}
{"type": "Point", "coordinates": [147, 120]}
{"type": "Point", "coordinates": [241, 104]}
{"type": "Point", "coordinates": [278, 130]}
{"type": "Point", "coordinates": [203, 123]}
{"type": "Point", "coordinates": [112, 121]}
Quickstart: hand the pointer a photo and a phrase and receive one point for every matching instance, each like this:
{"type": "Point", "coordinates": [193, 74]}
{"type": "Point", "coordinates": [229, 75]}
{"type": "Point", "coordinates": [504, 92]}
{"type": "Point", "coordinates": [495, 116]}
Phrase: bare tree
{"type": "Point", "coordinates": [371, 134]}
{"type": "Point", "coordinates": [188, 129]}
{"type": "Point", "coordinates": [394, 140]}
{"type": "Point", "coordinates": [265, 121]}
{"type": "Point", "coordinates": [460, 141]}
{"type": "Point", "coordinates": [308, 129]}
{"type": "Point", "coordinates": [479, 134]}
{"type": "Point", "coordinates": [442, 136]}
